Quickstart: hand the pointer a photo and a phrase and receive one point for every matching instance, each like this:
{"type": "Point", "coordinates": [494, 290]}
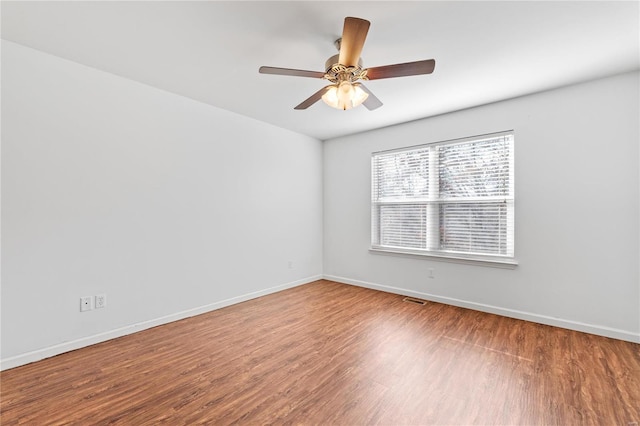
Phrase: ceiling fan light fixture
{"type": "Point", "coordinates": [345, 95]}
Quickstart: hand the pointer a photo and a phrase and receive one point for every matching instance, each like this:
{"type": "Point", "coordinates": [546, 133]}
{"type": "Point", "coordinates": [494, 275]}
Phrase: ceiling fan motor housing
{"type": "Point", "coordinates": [334, 60]}
{"type": "Point", "coordinates": [336, 72]}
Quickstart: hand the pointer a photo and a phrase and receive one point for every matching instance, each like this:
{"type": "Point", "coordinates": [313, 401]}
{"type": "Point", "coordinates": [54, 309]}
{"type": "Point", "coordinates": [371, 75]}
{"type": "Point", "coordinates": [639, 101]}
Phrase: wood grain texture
{"type": "Point", "coordinates": [290, 72]}
{"type": "Point", "coordinates": [354, 34]}
{"type": "Point", "coordinates": [401, 70]}
{"type": "Point", "coordinates": [329, 353]}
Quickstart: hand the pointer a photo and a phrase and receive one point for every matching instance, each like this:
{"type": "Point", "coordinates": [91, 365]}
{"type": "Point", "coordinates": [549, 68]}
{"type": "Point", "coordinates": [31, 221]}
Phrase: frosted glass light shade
{"type": "Point", "coordinates": [345, 95]}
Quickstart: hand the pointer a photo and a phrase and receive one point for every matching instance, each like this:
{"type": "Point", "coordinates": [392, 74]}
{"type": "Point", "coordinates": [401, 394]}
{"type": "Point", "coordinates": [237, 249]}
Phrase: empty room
{"type": "Point", "coordinates": [315, 212]}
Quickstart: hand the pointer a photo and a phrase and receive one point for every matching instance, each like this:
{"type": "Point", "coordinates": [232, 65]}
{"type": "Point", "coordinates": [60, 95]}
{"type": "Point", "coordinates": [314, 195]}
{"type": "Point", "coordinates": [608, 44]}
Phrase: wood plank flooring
{"type": "Point", "coordinates": [329, 353]}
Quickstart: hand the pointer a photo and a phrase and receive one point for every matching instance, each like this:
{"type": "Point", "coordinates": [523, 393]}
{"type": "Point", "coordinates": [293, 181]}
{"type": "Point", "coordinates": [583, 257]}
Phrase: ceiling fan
{"type": "Point", "coordinates": [345, 69]}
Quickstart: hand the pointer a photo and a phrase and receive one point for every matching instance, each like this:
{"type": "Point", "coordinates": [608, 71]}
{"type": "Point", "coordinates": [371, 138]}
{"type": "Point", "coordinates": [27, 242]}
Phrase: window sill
{"type": "Point", "coordinates": [496, 262]}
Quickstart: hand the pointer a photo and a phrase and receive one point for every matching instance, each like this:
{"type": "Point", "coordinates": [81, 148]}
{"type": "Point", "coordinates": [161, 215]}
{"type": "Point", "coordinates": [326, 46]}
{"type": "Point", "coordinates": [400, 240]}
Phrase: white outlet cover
{"type": "Point", "coordinates": [101, 301]}
{"type": "Point", "coordinates": [86, 303]}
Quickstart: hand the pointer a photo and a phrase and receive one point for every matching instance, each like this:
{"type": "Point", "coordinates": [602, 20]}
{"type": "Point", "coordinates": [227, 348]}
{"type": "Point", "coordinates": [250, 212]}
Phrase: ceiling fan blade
{"type": "Point", "coordinates": [401, 70]}
{"type": "Point", "coordinates": [289, 71]}
{"type": "Point", "coordinates": [371, 102]}
{"type": "Point", "coordinates": [354, 34]}
{"type": "Point", "coordinates": [313, 98]}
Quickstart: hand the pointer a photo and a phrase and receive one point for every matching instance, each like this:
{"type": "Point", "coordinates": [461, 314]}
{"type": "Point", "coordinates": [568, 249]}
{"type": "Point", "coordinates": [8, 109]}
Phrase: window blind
{"type": "Point", "coordinates": [453, 197]}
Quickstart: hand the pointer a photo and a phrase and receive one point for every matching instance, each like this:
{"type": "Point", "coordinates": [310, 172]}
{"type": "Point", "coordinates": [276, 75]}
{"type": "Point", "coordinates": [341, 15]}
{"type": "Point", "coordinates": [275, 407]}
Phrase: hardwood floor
{"type": "Point", "coordinates": [328, 353]}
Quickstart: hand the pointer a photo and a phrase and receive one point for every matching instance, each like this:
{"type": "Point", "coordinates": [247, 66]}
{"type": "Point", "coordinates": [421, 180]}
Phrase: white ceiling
{"type": "Point", "coordinates": [211, 50]}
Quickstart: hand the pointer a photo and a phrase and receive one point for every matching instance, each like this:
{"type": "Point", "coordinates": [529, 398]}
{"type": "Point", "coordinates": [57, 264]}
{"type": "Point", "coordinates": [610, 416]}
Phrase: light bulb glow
{"type": "Point", "coordinates": [345, 95]}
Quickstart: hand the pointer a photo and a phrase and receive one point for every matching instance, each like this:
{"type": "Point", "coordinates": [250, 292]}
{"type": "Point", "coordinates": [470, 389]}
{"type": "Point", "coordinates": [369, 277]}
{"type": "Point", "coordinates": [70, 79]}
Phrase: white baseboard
{"type": "Point", "coordinates": [26, 358]}
{"type": "Point", "coordinates": [527, 316]}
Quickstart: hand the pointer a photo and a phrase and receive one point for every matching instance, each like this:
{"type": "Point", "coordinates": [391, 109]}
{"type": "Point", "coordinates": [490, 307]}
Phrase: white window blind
{"type": "Point", "coordinates": [451, 198]}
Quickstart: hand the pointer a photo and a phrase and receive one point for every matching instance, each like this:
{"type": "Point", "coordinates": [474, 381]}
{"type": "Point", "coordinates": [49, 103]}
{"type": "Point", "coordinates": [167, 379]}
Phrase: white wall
{"type": "Point", "coordinates": [169, 206]}
{"type": "Point", "coordinates": [577, 210]}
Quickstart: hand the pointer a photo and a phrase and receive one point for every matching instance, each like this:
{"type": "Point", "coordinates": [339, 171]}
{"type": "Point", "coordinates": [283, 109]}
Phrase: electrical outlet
{"type": "Point", "coordinates": [101, 301]}
{"type": "Point", "coordinates": [431, 273]}
{"type": "Point", "coordinates": [86, 303]}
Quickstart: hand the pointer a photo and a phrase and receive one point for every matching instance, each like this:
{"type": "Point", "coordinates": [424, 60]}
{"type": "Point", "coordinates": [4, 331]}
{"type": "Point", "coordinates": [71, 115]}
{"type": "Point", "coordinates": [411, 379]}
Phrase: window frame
{"type": "Point", "coordinates": [431, 203]}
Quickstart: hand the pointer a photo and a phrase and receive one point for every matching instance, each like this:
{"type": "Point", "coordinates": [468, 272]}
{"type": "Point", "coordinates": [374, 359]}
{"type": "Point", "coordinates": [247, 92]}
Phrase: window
{"type": "Point", "coordinates": [448, 199]}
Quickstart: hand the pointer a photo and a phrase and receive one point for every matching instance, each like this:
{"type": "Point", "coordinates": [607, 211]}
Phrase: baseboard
{"type": "Point", "coordinates": [50, 351]}
{"type": "Point", "coordinates": [527, 316]}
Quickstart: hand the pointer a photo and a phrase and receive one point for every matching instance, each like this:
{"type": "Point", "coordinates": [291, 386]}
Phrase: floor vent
{"type": "Point", "coordinates": [414, 300]}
